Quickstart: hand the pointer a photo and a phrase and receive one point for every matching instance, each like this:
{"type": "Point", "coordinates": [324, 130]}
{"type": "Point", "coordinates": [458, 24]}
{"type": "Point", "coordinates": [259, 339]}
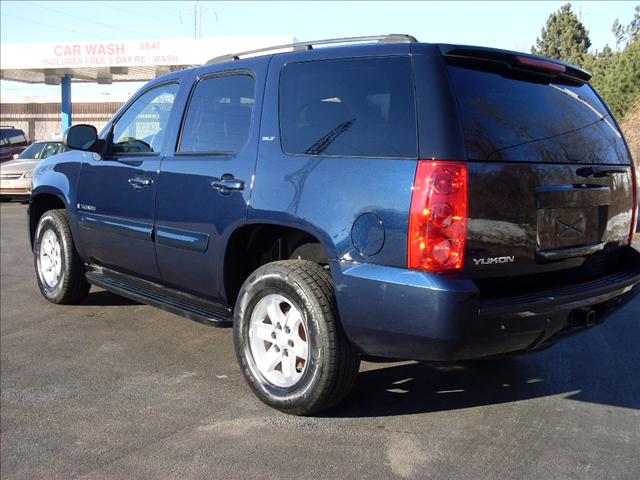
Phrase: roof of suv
{"type": "Point", "coordinates": [397, 44]}
{"type": "Point", "coordinates": [394, 44]}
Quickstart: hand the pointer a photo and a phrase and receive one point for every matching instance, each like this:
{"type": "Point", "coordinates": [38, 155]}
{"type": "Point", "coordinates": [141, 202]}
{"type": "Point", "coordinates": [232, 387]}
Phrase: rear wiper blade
{"type": "Point", "coordinates": [598, 172]}
{"type": "Point", "coordinates": [577, 97]}
{"type": "Point", "coordinates": [323, 143]}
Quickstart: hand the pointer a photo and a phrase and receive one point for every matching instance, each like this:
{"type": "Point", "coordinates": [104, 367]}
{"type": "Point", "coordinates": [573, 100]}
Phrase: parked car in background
{"type": "Point", "coordinates": [16, 175]}
{"type": "Point", "coordinates": [12, 141]}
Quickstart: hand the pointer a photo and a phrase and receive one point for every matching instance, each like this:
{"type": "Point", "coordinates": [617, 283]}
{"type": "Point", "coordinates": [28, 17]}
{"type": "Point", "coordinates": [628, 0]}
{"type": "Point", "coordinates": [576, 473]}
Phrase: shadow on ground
{"type": "Point", "coordinates": [422, 388]}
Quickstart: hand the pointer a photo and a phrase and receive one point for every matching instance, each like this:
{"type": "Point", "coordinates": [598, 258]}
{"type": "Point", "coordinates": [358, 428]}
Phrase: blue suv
{"type": "Point", "coordinates": [377, 198]}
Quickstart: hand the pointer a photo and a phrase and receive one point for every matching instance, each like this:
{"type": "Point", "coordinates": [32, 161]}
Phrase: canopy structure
{"type": "Point", "coordinates": [117, 61]}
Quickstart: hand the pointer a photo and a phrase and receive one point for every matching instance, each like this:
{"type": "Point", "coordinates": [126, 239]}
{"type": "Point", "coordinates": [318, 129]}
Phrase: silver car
{"type": "Point", "coordinates": [16, 175]}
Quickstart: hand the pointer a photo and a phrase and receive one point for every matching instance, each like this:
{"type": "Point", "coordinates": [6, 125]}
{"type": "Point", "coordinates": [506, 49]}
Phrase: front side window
{"type": "Point", "coordinates": [141, 129]}
{"type": "Point", "coordinates": [219, 115]}
{"type": "Point", "coordinates": [361, 107]}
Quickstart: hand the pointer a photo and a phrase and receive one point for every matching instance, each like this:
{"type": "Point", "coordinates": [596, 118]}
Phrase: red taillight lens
{"type": "Point", "coordinates": [438, 217]}
{"type": "Point", "coordinates": [634, 214]}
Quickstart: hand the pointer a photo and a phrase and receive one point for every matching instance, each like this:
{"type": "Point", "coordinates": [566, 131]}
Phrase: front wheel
{"type": "Point", "coordinates": [59, 269]}
{"type": "Point", "coordinates": [289, 343]}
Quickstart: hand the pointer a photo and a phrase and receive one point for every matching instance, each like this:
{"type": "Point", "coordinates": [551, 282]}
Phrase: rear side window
{"type": "Point", "coordinates": [508, 119]}
{"type": "Point", "coordinates": [361, 107]}
{"type": "Point", "coordinates": [219, 115]}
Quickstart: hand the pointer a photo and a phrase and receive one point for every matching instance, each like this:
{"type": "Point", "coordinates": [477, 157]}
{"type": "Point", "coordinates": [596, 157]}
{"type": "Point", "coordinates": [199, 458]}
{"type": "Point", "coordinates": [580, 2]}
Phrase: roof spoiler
{"type": "Point", "coordinates": [518, 62]}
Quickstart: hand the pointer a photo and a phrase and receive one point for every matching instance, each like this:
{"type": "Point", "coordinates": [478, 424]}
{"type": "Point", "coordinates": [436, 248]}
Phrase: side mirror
{"type": "Point", "coordinates": [16, 155]}
{"type": "Point", "coordinates": [80, 137]}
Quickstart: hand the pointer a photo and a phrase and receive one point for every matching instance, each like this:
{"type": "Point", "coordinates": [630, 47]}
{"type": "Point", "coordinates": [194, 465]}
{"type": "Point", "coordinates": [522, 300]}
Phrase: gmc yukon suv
{"type": "Point", "coordinates": [380, 199]}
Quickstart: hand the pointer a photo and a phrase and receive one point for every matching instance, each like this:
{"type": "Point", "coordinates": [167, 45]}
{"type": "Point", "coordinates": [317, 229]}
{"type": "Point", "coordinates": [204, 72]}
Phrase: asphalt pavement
{"type": "Point", "coordinates": [115, 389]}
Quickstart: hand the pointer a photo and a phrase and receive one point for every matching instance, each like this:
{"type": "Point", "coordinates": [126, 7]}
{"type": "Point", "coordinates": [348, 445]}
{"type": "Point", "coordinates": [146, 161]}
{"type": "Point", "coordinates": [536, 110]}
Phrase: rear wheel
{"type": "Point", "coordinates": [290, 346]}
{"type": "Point", "coordinates": [59, 269]}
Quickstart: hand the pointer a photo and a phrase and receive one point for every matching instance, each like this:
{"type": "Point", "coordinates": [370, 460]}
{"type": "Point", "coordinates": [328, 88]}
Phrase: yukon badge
{"type": "Point", "coordinates": [493, 260]}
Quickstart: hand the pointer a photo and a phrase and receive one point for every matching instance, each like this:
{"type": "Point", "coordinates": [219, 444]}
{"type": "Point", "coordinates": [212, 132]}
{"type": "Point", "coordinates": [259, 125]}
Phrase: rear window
{"type": "Point", "coordinates": [508, 119]}
{"type": "Point", "coordinates": [219, 115]}
{"type": "Point", "coordinates": [14, 138]}
{"type": "Point", "coordinates": [361, 107]}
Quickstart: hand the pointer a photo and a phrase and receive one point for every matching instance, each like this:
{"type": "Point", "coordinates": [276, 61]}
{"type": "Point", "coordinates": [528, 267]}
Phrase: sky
{"type": "Point", "coordinates": [509, 24]}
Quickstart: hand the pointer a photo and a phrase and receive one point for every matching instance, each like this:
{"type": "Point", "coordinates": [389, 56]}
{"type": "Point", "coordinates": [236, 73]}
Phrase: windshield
{"type": "Point", "coordinates": [508, 119]}
{"type": "Point", "coordinates": [31, 152]}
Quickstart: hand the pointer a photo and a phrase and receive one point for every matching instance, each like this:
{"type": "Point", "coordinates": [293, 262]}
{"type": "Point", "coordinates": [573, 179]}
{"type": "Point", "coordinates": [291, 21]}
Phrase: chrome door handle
{"type": "Point", "coordinates": [227, 183]}
{"type": "Point", "coordinates": [140, 182]}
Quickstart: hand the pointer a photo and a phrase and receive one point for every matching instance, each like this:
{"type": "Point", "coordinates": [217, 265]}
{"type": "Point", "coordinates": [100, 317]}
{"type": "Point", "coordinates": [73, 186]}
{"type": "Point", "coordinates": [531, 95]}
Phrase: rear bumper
{"type": "Point", "coordinates": [396, 313]}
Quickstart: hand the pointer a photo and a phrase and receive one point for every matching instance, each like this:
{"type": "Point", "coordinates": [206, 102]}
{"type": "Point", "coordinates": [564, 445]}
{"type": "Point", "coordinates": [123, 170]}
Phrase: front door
{"type": "Point", "coordinates": [116, 195]}
{"type": "Point", "coordinates": [204, 187]}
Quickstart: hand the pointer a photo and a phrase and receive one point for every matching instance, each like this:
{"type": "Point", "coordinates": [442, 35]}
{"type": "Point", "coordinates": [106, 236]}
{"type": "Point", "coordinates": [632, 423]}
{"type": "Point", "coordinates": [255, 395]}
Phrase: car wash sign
{"type": "Point", "coordinates": [112, 54]}
{"type": "Point", "coordinates": [130, 53]}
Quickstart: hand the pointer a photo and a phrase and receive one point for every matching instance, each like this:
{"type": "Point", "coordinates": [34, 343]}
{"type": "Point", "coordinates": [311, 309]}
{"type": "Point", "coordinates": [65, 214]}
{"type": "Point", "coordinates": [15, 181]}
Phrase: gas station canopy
{"type": "Point", "coordinates": [116, 61]}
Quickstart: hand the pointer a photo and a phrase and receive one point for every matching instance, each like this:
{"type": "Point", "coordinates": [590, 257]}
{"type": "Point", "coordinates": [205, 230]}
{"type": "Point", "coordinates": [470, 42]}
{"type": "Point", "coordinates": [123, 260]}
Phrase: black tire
{"type": "Point", "coordinates": [72, 286]}
{"type": "Point", "coordinates": [333, 362]}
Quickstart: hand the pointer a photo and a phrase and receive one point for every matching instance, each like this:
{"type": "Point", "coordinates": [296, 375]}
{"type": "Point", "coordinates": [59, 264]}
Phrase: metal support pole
{"type": "Point", "coordinates": [66, 109]}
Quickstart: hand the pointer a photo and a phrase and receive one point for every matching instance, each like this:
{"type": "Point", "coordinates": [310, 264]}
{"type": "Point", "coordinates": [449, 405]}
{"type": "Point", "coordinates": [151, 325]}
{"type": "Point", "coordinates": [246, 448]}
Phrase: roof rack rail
{"type": "Point", "coordinates": [301, 46]}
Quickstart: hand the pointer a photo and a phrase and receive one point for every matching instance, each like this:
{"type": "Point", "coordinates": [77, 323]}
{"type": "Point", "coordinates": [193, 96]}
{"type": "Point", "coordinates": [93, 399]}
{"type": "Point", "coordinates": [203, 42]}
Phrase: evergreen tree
{"type": "Point", "coordinates": [629, 33]}
{"type": "Point", "coordinates": [619, 32]}
{"type": "Point", "coordinates": [621, 81]}
{"type": "Point", "coordinates": [633, 29]}
{"type": "Point", "coordinates": [564, 37]}
{"type": "Point", "coordinates": [615, 74]}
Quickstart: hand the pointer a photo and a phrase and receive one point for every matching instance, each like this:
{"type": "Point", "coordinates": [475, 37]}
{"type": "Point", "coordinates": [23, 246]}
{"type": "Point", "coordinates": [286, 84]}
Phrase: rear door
{"type": "Point", "coordinates": [204, 186]}
{"type": "Point", "coordinates": [550, 177]}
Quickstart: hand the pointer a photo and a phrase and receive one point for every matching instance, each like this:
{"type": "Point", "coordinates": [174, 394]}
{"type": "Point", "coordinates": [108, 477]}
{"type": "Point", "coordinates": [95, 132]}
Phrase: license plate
{"type": "Point", "coordinates": [570, 227]}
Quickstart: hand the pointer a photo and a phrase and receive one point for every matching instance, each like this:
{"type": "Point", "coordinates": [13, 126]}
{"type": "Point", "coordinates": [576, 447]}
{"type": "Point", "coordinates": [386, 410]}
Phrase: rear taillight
{"type": "Point", "coordinates": [634, 214]}
{"type": "Point", "coordinates": [438, 217]}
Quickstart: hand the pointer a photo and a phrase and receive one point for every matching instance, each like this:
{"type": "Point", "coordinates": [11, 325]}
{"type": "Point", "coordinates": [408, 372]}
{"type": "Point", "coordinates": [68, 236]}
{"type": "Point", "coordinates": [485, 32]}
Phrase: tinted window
{"type": "Point", "coordinates": [142, 127]}
{"type": "Point", "coordinates": [13, 137]}
{"type": "Point", "coordinates": [219, 115]}
{"type": "Point", "coordinates": [354, 107]}
{"type": "Point", "coordinates": [506, 119]}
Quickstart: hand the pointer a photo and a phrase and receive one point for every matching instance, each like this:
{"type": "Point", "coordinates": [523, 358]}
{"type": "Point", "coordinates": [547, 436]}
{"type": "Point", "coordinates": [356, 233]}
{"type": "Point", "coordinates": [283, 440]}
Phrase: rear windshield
{"type": "Point", "coordinates": [14, 138]}
{"type": "Point", "coordinates": [507, 119]}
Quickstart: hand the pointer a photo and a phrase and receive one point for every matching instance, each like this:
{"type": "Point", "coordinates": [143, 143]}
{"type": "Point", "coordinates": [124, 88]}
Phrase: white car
{"type": "Point", "coordinates": [16, 174]}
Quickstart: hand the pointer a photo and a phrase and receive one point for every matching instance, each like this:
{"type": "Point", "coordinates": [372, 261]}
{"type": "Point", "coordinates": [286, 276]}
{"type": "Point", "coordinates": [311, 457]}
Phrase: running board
{"type": "Point", "coordinates": [143, 291]}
